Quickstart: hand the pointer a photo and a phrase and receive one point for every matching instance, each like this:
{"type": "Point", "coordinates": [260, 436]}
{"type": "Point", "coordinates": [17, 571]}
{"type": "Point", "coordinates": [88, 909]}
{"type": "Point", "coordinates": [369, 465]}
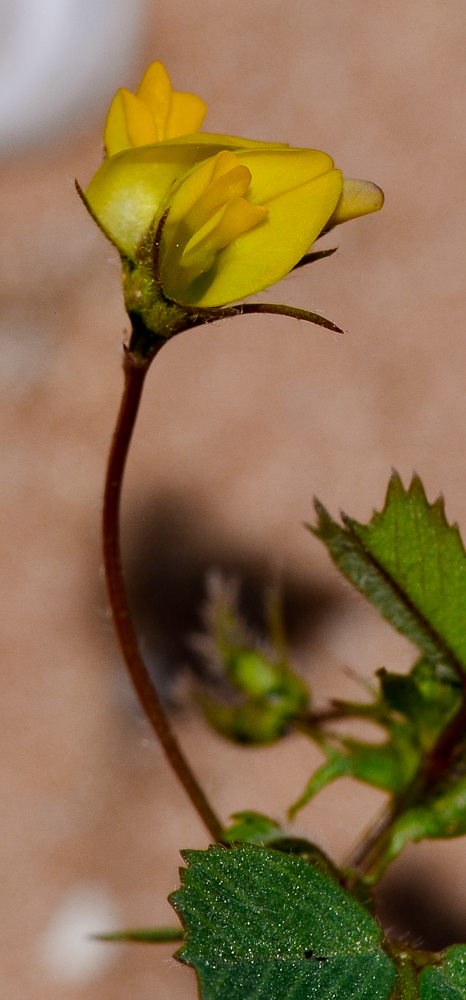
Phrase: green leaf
{"type": "Point", "coordinates": [448, 980]}
{"type": "Point", "coordinates": [389, 766]}
{"type": "Point", "coordinates": [261, 925]}
{"type": "Point", "coordinates": [301, 848]}
{"type": "Point", "coordinates": [440, 814]}
{"type": "Point", "coordinates": [429, 697]}
{"type": "Point", "coordinates": [153, 935]}
{"type": "Point", "coordinates": [252, 828]}
{"type": "Point", "coordinates": [411, 564]}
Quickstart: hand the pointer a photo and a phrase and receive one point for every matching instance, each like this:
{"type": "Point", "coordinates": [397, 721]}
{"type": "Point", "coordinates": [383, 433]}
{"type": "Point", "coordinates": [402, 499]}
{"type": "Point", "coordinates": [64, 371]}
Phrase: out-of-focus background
{"type": "Point", "coordinates": [241, 424]}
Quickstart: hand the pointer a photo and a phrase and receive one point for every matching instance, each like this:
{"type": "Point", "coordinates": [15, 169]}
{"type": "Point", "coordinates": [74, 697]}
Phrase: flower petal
{"type": "Point", "coordinates": [270, 250]}
{"type": "Point", "coordinates": [126, 192]}
{"type": "Point", "coordinates": [140, 123]}
{"type": "Point", "coordinates": [187, 112]}
{"type": "Point", "coordinates": [275, 172]}
{"type": "Point", "coordinates": [155, 91]}
{"type": "Point", "coordinates": [116, 135]}
{"type": "Point", "coordinates": [357, 198]}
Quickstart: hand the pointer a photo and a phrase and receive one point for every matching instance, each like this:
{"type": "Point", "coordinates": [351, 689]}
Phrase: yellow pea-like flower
{"type": "Point", "coordinates": [232, 216]}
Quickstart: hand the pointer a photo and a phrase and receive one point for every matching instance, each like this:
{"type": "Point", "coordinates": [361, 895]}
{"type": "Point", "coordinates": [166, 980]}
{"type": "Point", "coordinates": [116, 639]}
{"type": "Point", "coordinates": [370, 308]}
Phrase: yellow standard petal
{"type": "Point", "coordinates": [187, 112]}
{"type": "Point", "coordinates": [140, 124]}
{"type": "Point", "coordinates": [153, 114]}
{"type": "Point", "coordinates": [155, 91]}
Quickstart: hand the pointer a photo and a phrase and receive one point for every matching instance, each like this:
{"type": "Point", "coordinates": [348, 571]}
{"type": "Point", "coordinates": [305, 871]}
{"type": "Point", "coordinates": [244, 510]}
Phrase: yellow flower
{"type": "Point", "coordinates": [154, 113]}
{"type": "Point", "coordinates": [205, 220]}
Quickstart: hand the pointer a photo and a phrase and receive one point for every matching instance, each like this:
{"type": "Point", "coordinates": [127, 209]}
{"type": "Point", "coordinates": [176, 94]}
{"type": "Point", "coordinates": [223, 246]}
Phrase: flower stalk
{"type": "Point", "coordinates": [135, 371]}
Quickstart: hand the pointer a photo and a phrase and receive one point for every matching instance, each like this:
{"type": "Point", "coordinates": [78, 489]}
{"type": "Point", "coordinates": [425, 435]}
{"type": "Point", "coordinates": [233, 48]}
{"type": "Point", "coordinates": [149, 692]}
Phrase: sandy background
{"type": "Point", "coordinates": [240, 426]}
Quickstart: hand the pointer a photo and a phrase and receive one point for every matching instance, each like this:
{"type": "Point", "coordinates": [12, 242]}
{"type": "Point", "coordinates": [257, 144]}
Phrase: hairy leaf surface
{"type": "Point", "coordinates": [411, 564]}
{"type": "Point", "coordinates": [262, 925]}
{"type": "Point", "coordinates": [448, 980]}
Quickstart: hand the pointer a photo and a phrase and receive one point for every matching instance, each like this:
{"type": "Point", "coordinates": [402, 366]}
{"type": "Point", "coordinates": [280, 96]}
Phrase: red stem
{"type": "Point", "coordinates": [135, 371]}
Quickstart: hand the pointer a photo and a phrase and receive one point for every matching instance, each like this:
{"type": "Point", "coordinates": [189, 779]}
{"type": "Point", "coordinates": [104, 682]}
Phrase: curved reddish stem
{"type": "Point", "coordinates": [135, 370]}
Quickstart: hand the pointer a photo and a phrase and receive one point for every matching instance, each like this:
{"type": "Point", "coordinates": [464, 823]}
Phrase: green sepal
{"type": "Point", "coordinates": [257, 721]}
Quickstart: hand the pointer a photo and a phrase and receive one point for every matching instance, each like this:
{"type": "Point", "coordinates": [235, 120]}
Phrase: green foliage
{"type": "Point", "coordinates": [411, 564]}
{"type": "Point", "coordinates": [414, 709]}
{"type": "Point", "coordinates": [446, 981]}
{"type": "Point", "coordinates": [261, 924]}
{"type": "Point", "coordinates": [255, 828]}
{"type": "Point", "coordinates": [439, 813]}
{"type": "Point", "coordinates": [283, 921]}
{"type": "Point", "coordinates": [428, 697]}
{"type": "Point", "coordinates": [252, 828]}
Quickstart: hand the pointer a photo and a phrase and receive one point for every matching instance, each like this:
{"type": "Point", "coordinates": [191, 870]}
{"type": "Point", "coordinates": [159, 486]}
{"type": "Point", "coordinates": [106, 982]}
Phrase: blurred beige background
{"type": "Point", "coordinates": [240, 426]}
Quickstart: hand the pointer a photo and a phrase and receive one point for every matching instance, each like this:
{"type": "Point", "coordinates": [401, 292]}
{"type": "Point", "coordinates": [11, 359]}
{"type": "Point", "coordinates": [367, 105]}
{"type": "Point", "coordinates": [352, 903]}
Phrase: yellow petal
{"type": "Point", "coordinates": [267, 252]}
{"type": "Point", "coordinates": [357, 198]}
{"type": "Point", "coordinates": [139, 121]}
{"type": "Point", "coordinates": [274, 172]}
{"type": "Point", "coordinates": [190, 191]}
{"type": "Point", "coordinates": [155, 91]}
{"type": "Point", "coordinates": [236, 218]}
{"type": "Point", "coordinates": [222, 190]}
{"type": "Point", "coordinates": [224, 162]}
{"type": "Point", "coordinates": [126, 192]}
{"type": "Point", "coordinates": [187, 112]}
{"type": "Point", "coordinates": [116, 135]}
{"type": "Point", "coordinates": [195, 186]}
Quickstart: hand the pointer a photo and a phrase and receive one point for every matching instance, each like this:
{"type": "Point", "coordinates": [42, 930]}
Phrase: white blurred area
{"type": "Point", "coordinates": [67, 949]}
{"type": "Point", "coordinates": [59, 60]}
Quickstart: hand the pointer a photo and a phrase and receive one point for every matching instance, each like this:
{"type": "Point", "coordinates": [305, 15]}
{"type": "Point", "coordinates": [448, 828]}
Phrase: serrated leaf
{"type": "Point", "coordinates": [261, 925]}
{"type": "Point", "coordinates": [301, 848]}
{"type": "Point", "coordinates": [446, 981]}
{"type": "Point", "coordinates": [411, 564]}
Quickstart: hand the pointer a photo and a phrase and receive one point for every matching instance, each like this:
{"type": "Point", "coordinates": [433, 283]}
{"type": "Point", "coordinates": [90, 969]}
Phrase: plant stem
{"type": "Point", "coordinates": [135, 370]}
{"type": "Point", "coordinates": [435, 768]}
{"type": "Point", "coordinates": [362, 855]}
